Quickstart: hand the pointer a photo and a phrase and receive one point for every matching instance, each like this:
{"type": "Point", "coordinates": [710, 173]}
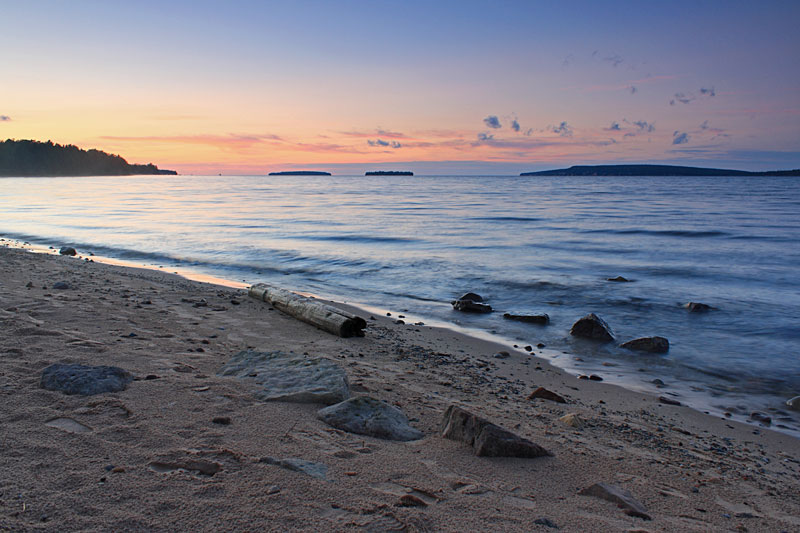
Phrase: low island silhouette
{"type": "Point", "coordinates": [389, 173]}
{"type": "Point", "coordinates": [300, 173]}
{"type": "Point", "coordinates": [24, 158]}
{"type": "Point", "coordinates": [654, 170]}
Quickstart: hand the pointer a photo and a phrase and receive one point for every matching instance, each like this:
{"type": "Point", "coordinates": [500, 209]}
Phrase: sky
{"type": "Point", "coordinates": [466, 87]}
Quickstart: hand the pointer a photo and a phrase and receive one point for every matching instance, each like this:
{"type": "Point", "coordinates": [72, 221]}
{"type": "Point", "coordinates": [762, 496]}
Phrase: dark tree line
{"type": "Point", "coordinates": [34, 158]}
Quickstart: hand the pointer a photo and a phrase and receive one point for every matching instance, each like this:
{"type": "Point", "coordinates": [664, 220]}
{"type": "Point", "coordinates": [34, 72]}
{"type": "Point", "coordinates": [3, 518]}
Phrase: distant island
{"type": "Point", "coordinates": [389, 173]}
{"type": "Point", "coordinates": [27, 158]}
{"type": "Point", "coordinates": [300, 173]}
{"type": "Point", "coordinates": [654, 170]}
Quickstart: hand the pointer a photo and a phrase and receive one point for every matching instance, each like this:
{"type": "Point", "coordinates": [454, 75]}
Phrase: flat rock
{"type": "Point", "coordinates": [545, 394]}
{"type": "Point", "coordinates": [367, 416]}
{"type": "Point", "coordinates": [61, 285]}
{"type": "Point", "coordinates": [542, 319]}
{"type": "Point", "coordinates": [668, 401]}
{"type": "Point", "coordinates": [317, 470]}
{"type": "Point", "coordinates": [487, 439]}
{"type": "Point", "coordinates": [472, 297]}
{"type": "Point", "coordinates": [620, 496]}
{"type": "Point", "coordinates": [67, 250]}
{"type": "Point", "coordinates": [794, 403]}
{"type": "Point", "coordinates": [592, 327]}
{"type": "Point", "coordinates": [619, 279]}
{"type": "Point", "coordinates": [69, 425]}
{"type": "Point", "coordinates": [85, 380]}
{"type": "Point", "coordinates": [290, 377]}
{"type": "Point", "coordinates": [647, 344]}
{"type": "Point", "coordinates": [697, 307]}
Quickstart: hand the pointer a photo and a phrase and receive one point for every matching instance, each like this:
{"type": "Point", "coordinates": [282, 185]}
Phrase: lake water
{"type": "Point", "coordinates": [526, 244]}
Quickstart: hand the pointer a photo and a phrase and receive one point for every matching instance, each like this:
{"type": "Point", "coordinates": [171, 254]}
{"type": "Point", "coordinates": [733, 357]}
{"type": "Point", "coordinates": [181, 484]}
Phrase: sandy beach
{"type": "Point", "coordinates": [127, 461]}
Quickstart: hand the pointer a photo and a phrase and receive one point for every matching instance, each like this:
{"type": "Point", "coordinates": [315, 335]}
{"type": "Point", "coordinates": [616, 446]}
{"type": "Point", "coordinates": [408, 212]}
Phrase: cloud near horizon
{"type": "Point", "coordinates": [381, 142]}
{"type": "Point", "coordinates": [680, 138]}
{"type": "Point", "coordinates": [562, 129]}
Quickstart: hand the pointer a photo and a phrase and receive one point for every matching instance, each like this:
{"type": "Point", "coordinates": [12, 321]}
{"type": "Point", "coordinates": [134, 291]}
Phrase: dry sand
{"type": "Point", "coordinates": [97, 463]}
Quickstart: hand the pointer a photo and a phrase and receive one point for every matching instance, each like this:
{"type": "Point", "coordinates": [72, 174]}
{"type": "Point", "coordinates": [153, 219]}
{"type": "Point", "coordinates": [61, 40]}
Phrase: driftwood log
{"type": "Point", "coordinates": [325, 317]}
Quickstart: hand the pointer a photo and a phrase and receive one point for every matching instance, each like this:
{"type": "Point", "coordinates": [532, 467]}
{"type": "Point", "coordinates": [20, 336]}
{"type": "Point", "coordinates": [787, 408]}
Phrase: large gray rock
{"type": "Point", "coordinates": [290, 377]}
{"type": "Point", "coordinates": [85, 380]}
{"type": "Point", "coordinates": [367, 416]}
{"type": "Point", "coordinates": [647, 344]}
{"type": "Point", "coordinates": [487, 439]}
{"type": "Point", "coordinates": [471, 303]}
{"type": "Point", "coordinates": [592, 327]}
{"type": "Point", "coordinates": [67, 250]}
{"type": "Point", "coordinates": [617, 495]}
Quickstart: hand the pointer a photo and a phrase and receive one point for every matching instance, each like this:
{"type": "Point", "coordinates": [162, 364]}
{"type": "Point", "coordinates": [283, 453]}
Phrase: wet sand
{"type": "Point", "coordinates": [123, 461]}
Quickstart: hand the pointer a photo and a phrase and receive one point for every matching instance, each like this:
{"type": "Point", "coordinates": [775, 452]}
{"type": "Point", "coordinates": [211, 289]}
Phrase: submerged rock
{"type": "Point", "coordinates": [486, 439]}
{"type": "Point", "coordinates": [290, 377]}
{"type": "Point", "coordinates": [471, 303]}
{"type": "Point", "coordinates": [621, 497]}
{"type": "Point", "coordinates": [592, 327]}
{"type": "Point", "coordinates": [619, 279]}
{"type": "Point", "coordinates": [697, 307]}
{"type": "Point", "coordinates": [85, 380]}
{"type": "Point", "coordinates": [367, 416]}
{"type": "Point", "coordinates": [545, 394]}
{"type": "Point", "coordinates": [542, 319]}
{"type": "Point", "coordinates": [67, 250]}
{"type": "Point", "coordinates": [647, 344]}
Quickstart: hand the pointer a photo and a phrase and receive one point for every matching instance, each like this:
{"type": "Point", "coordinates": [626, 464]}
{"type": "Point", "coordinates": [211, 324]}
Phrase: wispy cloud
{"type": "Point", "coordinates": [232, 141]}
{"type": "Point", "coordinates": [680, 138]}
{"type": "Point", "coordinates": [377, 132]}
{"type": "Point", "coordinates": [644, 126]}
{"type": "Point", "coordinates": [689, 98]}
{"type": "Point", "coordinates": [381, 142]}
{"type": "Point", "coordinates": [615, 60]}
{"type": "Point", "coordinates": [562, 129]}
{"type": "Point", "coordinates": [514, 125]}
{"type": "Point", "coordinates": [485, 136]}
{"type": "Point", "coordinates": [633, 89]}
{"type": "Point", "coordinates": [5, 118]}
{"type": "Point", "coordinates": [492, 122]}
{"type": "Point", "coordinates": [682, 98]}
{"type": "Point", "coordinates": [708, 92]}
{"type": "Point", "coordinates": [614, 127]}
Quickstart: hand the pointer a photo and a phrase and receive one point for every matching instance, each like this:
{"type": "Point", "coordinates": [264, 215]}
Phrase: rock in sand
{"type": "Point", "coordinates": [573, 420]}
{"type": "Point", "coordinates": [592, 327]}
{"type": "Point", "coordinates": [317, 470]}
{"type": "Point", "coordinates": [290, 377]}
{"type": "Point", "coordinates": [67, 250]}
{"type": "Point", "coordinates": [486, 439]}
{"type": "Point", "coordinates": [620, 496]}
{"type": "Point", "coordinates": [367, 416]}
{"type": "Point", "coordinates": [647, 344]}
{"type": "Point", "coordinates": [85, 380]}
{"type": "Point", "coordinates": [545, 394]}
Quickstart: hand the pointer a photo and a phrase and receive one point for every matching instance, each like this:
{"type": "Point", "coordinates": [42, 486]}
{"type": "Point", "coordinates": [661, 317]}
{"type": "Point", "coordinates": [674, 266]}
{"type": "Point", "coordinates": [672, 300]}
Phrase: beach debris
{"type": "Point", "coordinates": [647, 344]}
{"type": "Point", "coordinates": [367, 416]}
{"type": "Point", "coordinates": [668, 401]}
{"type": "Point", "coordinates": [619, 279]}
{"type": "Point", "coordinates": [471, 303]}
{"type": "Point", "coordinates": [793, 403]}
{"type": "Point", "coordinates": [324, 316]}
{"type": "Point", "coordinates": [542, 318]}
{"type": "Point", "coordinates": [69, 425]}
{"type": "Point", "coordinates": [486, 438]}
{"type": "Point", "coordinates": [290, 377]}
{"type": "Point", "coordinates": [761, 417]}
{"type": "Point", "coordinates": [317, 470]}
{"type": "Point", "coordinates": [67, 250]}
{"type": "Point", "coordinates": [573, 420]}
{"type": "Point", "coordinates": [84, 380]}
{"type": "Point", "coordinates": [61, 285]}
{"type": "Point", "coordinates": [620, 496]}
{"type": "Point", "coordinates": [697, 307]}
{"type": "Point", "coordinates": [545, 522]}
{"type": "Point", "coordinates": [592, 327]}
{"type": "Point", "coordinates": [545, 394]}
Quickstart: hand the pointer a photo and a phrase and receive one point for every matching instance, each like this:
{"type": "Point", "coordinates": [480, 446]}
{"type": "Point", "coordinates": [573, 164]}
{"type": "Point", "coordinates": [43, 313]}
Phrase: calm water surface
{"type": "Point", "coordinates": [527, 244]}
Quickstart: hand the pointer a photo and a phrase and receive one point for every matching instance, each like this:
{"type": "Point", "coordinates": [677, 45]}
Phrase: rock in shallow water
{"type": "Point", "coordinates": [367, 416]}
{"type": "Point", "coordinates": [290, 377]}
{"type": "Point", "coordinates": [647, 344]}
{"type": "Point", "coordinates": [486, 439]}
{"type": "Point", "coordinates": [542, 319]}
{"type": "Point", "coordinates": [794, 403]}
{"type": "Point", "coordinates": [592, 327]}
{"type": "Point", "coordinates": [67, 250]}
{"type": "Point", "coordinates": [85, 380]}
{"type": "Point", "coordinates": [697, 307]}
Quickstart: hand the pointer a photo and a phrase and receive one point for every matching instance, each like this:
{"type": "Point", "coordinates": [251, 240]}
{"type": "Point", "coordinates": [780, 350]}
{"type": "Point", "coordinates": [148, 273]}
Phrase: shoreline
{"type": "Point", "coordinates": [693, 472]}
{"type": "Point", "coordinates": [686, 396]}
